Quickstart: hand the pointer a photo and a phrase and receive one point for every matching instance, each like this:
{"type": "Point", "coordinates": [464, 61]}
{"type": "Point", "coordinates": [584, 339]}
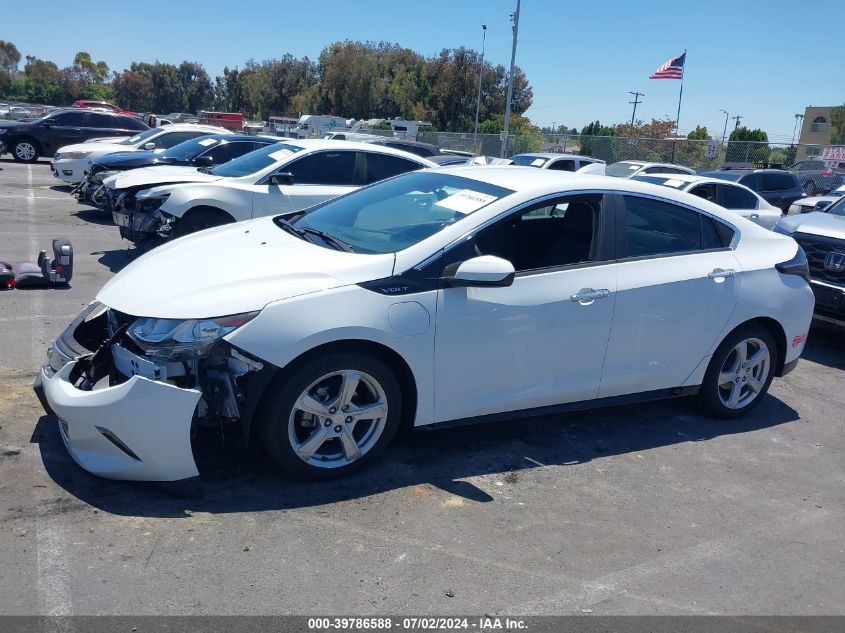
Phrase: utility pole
{"type": "Point", "coordinates": [515, 22]}
{"type": "Point", "coordinates": [795, 129]}
{"type": "Point", "coordinates": [636, 101]}
{"type": "Point", "coordinates": [725, 131]}
{"type": "Point", "coordinates": [554, 129]}
{"type": "Point", "coordinates": [480, 74]}
{"type": "Point", "coordinates": [737, 118]}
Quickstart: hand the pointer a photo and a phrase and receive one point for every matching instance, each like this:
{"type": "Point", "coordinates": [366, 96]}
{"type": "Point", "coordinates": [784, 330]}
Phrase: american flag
{"type": "Point", "coordinates": [673, 69]}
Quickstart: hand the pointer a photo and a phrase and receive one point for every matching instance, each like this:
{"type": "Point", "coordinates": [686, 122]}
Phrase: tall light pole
{"type": "Point", "coordinates": [515, 27]}
{"type": "Point", "coordinates": [725, 131]}
{"type": "Point", "coordinates": [737, 118]}
{"type": "Point", "coordinates": [636, 101]}
{"type": "Point", "coordinates": [480, 74]}
{"type": "Point", "coordinates": [797, 117]}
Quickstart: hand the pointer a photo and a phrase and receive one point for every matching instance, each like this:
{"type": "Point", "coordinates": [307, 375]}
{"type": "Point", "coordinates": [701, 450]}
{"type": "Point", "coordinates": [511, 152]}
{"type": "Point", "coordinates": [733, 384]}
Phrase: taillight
{"type": "Point", "coordinates": [827, 173]}
{"type": "Point", "coordinates": [798, 265]}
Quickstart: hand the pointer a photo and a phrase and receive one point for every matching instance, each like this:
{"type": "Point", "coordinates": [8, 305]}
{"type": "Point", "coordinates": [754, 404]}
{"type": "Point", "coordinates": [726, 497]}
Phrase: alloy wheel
{"type": "Point", "coordinates": [337, 419]}
{"type": "Point", "coordinates": [25, 151]}
{"type": "Point", "coordinates": [744, 373]}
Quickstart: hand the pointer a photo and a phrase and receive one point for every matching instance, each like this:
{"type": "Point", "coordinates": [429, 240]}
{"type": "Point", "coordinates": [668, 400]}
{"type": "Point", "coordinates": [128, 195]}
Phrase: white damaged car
{"type": "Point", "coordinates": [167, 201]}
{"type": "Point", "coordinates": [437, 296]}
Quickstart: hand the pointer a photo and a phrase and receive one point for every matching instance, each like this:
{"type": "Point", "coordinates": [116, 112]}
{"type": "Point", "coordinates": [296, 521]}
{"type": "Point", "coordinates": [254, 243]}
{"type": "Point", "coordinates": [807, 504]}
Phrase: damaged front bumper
{"type": "Point", "coordinates": [125, 415]}
{"type": "Point", "coordinates": [139, 225]}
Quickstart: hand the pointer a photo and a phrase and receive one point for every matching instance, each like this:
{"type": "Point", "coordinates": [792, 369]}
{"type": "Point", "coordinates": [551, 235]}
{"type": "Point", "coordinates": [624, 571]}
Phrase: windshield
{"type": "Point", "coordinates": [256, 160]}
{"type": "Point", "coordinates": [132, 140]}
{"type": "Point", "coordinates": [527, 160]}
{"type": "Point", "coordinates": [186, 150]}
{"type": "Point", "coordinates": [622, 170]}
{"type": "Point", "coordinates": [837, 208]}
{"type": "Point", "coordinates": [662, 180]}
{"type": "Point", "coordinates": [397, 213]}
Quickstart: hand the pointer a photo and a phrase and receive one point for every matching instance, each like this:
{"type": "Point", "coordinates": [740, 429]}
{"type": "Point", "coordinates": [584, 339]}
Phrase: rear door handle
{"type": "Point", "coordinates": [719, 273]}
{"type": "Point", "coordinates": [586, 296]}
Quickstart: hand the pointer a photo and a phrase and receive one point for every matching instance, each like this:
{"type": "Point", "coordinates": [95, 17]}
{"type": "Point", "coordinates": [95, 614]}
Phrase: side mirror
{"type": "Point", "coordinates": [204, 161]}
{"type": "Point", "coordinates": [149, 146]}
{"type": "Point", "coordinates": [484, 271]}
{"type": "Point", "coordinates": [282, 178]}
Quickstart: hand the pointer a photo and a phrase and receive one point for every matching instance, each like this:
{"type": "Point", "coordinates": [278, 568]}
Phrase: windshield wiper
{"type": "Point", "coordinates": [293, 230]}
{"type": "Point", "coordinates": [338, 243]}
{"type": "Point", "coordinates": [204, 170]}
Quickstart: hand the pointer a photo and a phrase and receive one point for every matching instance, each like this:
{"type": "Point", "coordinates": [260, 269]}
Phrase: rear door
{"type": "Point", "coordinates": [68, 128]}
{"type": "Point", "coordinates": [678, 284]}
{"type": "Point", "coordinates": [740, 200]}
{"type": "Point", "coordinates": [317, 177]}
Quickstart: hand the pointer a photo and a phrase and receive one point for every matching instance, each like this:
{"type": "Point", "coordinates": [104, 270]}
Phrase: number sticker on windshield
{"type": "Point", "coordinates": [466, 201]}
{"type": "Point", "coordinates": [280, 154]}
{"type": "Point", "coordinates": [208, 141]}
{"type": "Point", "coordinates": [538, 162]}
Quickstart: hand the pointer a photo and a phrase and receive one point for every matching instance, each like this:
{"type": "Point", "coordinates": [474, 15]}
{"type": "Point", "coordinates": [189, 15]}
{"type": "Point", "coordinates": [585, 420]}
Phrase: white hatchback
{"type": "Point", "coordinates": [438, 296]}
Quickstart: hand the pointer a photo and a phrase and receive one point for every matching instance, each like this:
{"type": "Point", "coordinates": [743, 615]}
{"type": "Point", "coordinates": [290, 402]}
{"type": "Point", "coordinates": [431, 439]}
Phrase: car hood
{"type": "Point", "coordinates": [157, 175]}
{"type": "Point", "coordinates": [816, 223]}
{"type": "Point", "coordinates": [232, 269]}
{"type": "Point", "coordinates": [97, 147]}
{"type": "Point", "coordinates": [130, 160]}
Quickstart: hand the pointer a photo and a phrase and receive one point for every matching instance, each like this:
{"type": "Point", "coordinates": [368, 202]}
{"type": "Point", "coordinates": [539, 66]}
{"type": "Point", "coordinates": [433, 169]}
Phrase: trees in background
{"type": "Point", "coordinates": [353, 79]}
{"type": "Point", "coordinates": [837, 125]}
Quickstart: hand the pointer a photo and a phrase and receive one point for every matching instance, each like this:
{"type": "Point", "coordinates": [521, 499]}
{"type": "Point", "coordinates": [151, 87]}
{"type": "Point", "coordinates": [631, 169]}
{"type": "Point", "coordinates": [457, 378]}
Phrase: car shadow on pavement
{"type": "Point", "coordinates": [117, 260]}
{"type": "Point", "coordinates": [94, 216]}
{"type": "Point", "coordinates": [826, 345]}
{"type": "Point", "coordinates": [246, 481]}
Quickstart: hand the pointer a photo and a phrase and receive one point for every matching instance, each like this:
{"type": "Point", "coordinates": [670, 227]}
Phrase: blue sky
{"type": "Point", "coordinates": [763, 59]}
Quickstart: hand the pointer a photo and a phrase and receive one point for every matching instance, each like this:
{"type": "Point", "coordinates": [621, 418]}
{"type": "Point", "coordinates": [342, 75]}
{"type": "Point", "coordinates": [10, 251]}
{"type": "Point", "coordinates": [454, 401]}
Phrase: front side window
{"type": "Point", "coordinates": [395, 214]}
{"type": "Point", "coordinates": [166, 141]}
{"type": "Point", "coordinates": [563, 165]}
{"type": "Point", "coordinates": [557, 233]}
{"type": "Point", "coordinates": [225, 152]}
{"type": "Point", "coordinates": [708, 192]}
{"type": "Point", "coordinates": [654, 227]}
{"type": "Point", "coordinates": [71, 119]}
{"type": "Point", "coordinates": [324, 168]}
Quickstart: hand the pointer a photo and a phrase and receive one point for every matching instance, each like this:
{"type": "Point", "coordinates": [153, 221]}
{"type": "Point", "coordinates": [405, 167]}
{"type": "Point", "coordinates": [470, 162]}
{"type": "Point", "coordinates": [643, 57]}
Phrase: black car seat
{"type": "Point", "coordinates": [57, 272]}
{"type": "Point", "coordinates": [574, 243]}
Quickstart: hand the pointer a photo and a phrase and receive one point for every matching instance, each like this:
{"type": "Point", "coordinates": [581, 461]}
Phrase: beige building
{"type": "Point", "coordinates": [815, 131]}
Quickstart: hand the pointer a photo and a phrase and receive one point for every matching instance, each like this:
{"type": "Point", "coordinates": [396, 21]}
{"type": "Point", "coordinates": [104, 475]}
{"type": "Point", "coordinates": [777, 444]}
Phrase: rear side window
{"type": "Point", "coordinates": [563, 165]}
{"type": "Point", "coordinates": [324, 168]}
{"type": "Point", "coordinates": [381, 166]}
{"type": "Point", "coordinates": [732, 197]}
{"type": "Point", "coordinates": [128, 123]}
{"type": "Point", "coordinates": [655, 227]}
{"type": "Point", "coordinates": [101, 120]}
{"type": "Point", "coordinates": [777, 182]}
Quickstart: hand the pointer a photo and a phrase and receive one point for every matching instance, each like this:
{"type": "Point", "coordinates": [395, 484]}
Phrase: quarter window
{"type": "Point", "coordinates": [324, 168]}
{"type": "Point", "coordinates": [654, 227]}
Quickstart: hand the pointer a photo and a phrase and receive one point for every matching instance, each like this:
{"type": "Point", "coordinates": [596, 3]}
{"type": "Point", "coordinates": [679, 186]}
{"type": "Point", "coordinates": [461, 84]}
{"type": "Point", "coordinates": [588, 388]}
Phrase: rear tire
{"type": "Point", "coordinates": [315, 424]}
{"type": "Point", "coordinates": [810, 188]}
{"type": "Point", "coordinates": [739, 373]}
{"type": "Point", "coordinates": [25, 151]}
{"type": "Point", "coordinates": [199, 220]}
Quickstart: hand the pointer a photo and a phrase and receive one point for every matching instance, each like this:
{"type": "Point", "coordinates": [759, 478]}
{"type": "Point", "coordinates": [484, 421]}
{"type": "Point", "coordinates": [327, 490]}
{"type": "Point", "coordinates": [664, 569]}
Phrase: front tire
{"type": "Point", "coordinates": [331, 415]}
{"type": "Point", "coordinates": [739, 373]}
{"type": "Point", "coordinates": [25, 151]}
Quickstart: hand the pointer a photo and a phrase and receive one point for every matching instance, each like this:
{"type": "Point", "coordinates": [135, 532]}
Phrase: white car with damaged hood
{"type": "Point", "coordinates": [288, 176]}
{"type": "Point", "coordinates": [437, 296]}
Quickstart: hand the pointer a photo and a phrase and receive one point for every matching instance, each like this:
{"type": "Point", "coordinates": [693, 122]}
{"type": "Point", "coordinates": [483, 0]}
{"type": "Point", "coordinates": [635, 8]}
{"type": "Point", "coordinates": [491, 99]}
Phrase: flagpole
{"type": "Point", "coordinates": [678, 118]}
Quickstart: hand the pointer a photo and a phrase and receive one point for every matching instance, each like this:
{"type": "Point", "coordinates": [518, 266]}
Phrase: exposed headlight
{"type": "Point", "coordinates": [148, 205]}
{"type": "Point", "coordinates": [72, 155]}
{"type": "Point", "coordinates": [167, 337]}
{"type": "Point", "coordinates": [100, 176]}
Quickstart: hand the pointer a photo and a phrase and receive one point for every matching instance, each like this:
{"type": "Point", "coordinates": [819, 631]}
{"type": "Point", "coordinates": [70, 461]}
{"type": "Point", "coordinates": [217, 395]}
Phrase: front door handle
{"type": "Point", "coordinates": [586, 296]}
{"type": "Point", "coordinates": [720, 273]}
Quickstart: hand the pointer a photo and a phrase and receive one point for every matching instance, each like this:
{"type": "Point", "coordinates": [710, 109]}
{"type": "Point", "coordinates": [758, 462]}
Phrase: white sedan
{"type": "Point", "coordinates": [286, 176]}
{"type": "Point", "coordinates": [72, 161]}
{"type": "Point", "coordinates": [731, 195]}
{"type": "Point", "coordinates": [439, 296]}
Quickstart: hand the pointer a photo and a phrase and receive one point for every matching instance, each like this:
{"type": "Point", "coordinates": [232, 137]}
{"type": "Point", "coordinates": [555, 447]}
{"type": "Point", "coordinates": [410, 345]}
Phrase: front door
{"type": "Point", "coordinates": [542, 340]}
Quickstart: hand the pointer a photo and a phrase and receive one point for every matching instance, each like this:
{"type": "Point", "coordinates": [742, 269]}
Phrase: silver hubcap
{"type": "Point", "coordinates": [337, 419]}
{"type": "Point", "coordinates": [25, 151]}
{"type": "Point", "coordinates": [744, 373]}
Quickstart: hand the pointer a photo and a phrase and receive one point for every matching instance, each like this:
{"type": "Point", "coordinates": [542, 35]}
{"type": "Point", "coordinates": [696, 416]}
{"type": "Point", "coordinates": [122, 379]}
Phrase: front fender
{"type": "Point", "coordinates": [238, 204]}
